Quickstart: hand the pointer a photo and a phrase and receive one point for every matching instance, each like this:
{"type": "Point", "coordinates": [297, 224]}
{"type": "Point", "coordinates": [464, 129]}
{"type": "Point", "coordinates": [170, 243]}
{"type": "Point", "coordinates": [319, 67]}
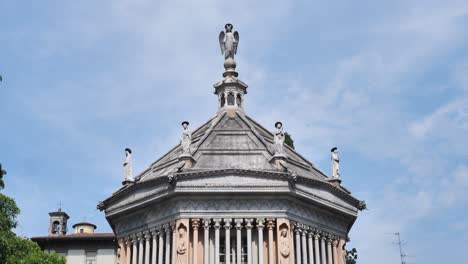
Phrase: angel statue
{"type": "Point", "coordinates": [228, 42]}
{"type": "Point", "coordinates": [335, 163]}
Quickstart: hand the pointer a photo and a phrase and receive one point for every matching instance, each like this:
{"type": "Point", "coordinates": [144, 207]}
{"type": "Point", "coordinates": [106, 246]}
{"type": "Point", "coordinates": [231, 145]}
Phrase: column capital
{"type": "Point", "coordinates": [227, 223]}
{"type": "Point", "coordinates": [260, 223]}
{"type": "Point", "coordinates": [195, 223]}
{"type": "Point", "coordinates": [238, 222]}
{"type": "Point", "coordinates": [248, 223]}
{"type": "Point", "coordinates": [335, 242]}
{"type": "Point", "coordinates": [147, 235]}
{"type": "Point", "coordinates": [134, 239]}
{"type": "Point", "coordinates": [270, 223]}
{"type": "Point", "coordinates": [167, 228]}
{"type": "Point", "coordinates": [206, 223]}
{"type": "Point", "coordinates": [154, 232]}
{"type": "Point", "coordinates": [217, 223]}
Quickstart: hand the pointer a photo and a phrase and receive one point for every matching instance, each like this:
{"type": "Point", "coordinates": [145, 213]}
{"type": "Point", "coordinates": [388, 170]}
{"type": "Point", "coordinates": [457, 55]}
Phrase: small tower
{"type": "Point", "coordinates": [58, 222]}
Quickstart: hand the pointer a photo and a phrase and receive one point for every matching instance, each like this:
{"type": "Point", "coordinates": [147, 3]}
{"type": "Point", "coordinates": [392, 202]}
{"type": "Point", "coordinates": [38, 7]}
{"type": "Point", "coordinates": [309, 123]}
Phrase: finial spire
{"type": "Point", "coordinates": [228, 42]}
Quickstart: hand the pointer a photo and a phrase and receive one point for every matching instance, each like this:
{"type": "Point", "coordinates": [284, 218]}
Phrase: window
{"type": "Point", "coordinates": [81, 230]}
{"type": "Point", "coordinates": [55, 227]}
{"type": "Point", "coordinates": [90, 257]}
{"type": "Point", "coordinates": [239, 100]}
{"type": "Point", "coordinates": [230, 99]}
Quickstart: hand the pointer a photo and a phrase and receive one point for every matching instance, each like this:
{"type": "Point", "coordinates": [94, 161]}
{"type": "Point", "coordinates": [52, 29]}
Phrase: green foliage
{"type": "Point", "coordinates": [14, 249]}
{"type": "Point", "coordinates": [351, 256]}
{"type": "Point", "coordinates": [2, 172]}
{"type": "Point", "coordinates": [288, 140]}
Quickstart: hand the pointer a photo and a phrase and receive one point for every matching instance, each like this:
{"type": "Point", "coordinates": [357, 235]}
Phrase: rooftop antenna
{"type": "Point", "coordinates": [400, 244]}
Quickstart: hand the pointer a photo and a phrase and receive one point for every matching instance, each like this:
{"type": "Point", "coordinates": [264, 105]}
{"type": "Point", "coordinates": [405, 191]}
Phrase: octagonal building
{"type": "Point", "coordinates": [231, 192]}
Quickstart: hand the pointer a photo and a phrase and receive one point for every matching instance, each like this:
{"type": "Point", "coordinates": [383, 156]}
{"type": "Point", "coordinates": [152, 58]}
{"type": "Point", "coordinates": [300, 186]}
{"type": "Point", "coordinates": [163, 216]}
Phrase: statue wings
{"type": "Point", "coordinates": [236, 37]}
{"type": "Point", "coordinates": [221, 41]}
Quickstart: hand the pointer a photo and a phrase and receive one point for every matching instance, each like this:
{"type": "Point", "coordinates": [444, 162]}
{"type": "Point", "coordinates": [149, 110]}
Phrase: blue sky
{"type": "Point", "coordinates": [385, 81]}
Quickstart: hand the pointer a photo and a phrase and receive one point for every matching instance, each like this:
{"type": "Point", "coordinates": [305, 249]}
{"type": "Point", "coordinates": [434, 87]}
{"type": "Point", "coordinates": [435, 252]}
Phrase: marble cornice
{"type": "Point", "coordinates": [222, 172]}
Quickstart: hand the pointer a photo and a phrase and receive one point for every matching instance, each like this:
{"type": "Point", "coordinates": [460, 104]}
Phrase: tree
{"type": "Point", "coordinates": [351, 256]}
{"type": "Point", "coordinates": [15, 249]}
{"type": "Point", "coordinates": [288, 140]}
{"type": "Point", "coordinates": [2, 172]}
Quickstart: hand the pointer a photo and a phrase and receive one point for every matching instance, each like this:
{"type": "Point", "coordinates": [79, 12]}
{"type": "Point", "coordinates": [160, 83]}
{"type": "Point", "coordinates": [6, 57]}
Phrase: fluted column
{"type": "Point", "coordinates": [239, 240]}
{"type": "Point", "coordinates": [271, 248]}
{"type": "Point", "coordinates": [248, 226]}
{"type": "Point", "coordinates": [217, 226]}
{"type": "Point", "coordinates": [227, 227]}
{"type": "Point", "coordinates": [323, 255]}
{"type": "Point", "coordinates": [195, 225]}
{"type": "Point", "coordinates": [329, 251]}
{"type": "Point", "coordinates": [128, 243]}
{"type": "Point", "coordinates": [140, 247]}
{"type": "Point", "coordinates": [154, 234]}
{"type": "Point", "coordinates": [311, 247]}
{"type": "Point", "coordinates": [134, 249]}
{"type": "Point", "coordinates": [206, 240]}
{"type": "Point", "coordinates": [335, 251]}
{"type": "Point", "coordinates": [304, 246]}
{"type": "Point", "coordinates": [298, 231]}
{"type": "Point", "coordinates": [167, 230]}
{"type": "Point", "coordinates": [260, 226]}
{"type": "Point", "coordinates": [317, 248]}
{"type": "Point", "coordinates": [147, 236]}
{"type": "Point", "coordinates": [161, 246]}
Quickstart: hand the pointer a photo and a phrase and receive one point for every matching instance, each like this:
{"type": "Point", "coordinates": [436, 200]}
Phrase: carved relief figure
{"type": "Point", "coordinates": [284, 247]}
{"type": "Point", "coordinates": [182, 247]}
{"type": "Point", "coordinates": [279, 139]}
{"type": "Point", "coordinates": [186, 139]}
{"type": "Point", "coordinates": [228, 42]}
{"type": "Point", "coordinates": [128, 164]}
{"type": "Point", "coordinates": [335, 163]}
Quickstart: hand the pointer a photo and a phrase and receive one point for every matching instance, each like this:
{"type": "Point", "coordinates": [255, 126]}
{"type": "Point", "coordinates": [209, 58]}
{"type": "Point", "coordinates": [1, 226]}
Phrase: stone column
{"type": "Point", "coordinates": [128, 243]}
{"type": "Point", "coordinates": [167, 230]}
{"type": "Point", "coordinates": [271, 247]}
{"type": "Point", "coordinates": [335, 252]}
{"type": "Point", "coordinates": [304, 246]}
{"type": "Point", "coordinates": [329, 251]}
{"type": "Point", "coordinates": [134, 250]}
{"type": "Point", "coordinates": [317, 248]}
{"type": "Point", "coordinates": [206, 242]}
{"type": "Point", "coordinates": [227, 227]}
{"type": "Point", "coordinates": [161, 246]}
{"type": "Point", "coordinates": [260, 226]}
{"type": "Point", "coordinates": [217, 226]}
{"type": "Point", "coordinates": [140, 248]}
{"type": "Point", "coordinates": [298, 231]}
{"type": "Point", "coordinates": [121, 254]}
{"type": "Point", "coordinates": [239, 239]}
{"type": "Point", "coordinates": [323, 255]}
{"type": "Point", "coordinates": [195, 225]}
{"type": "Point", "coordinates": [341, 251]}
{"type": "Point", "coordinates": [154, 234]}
{"type": "Point", "coordinates": [147, 236]}
{"type": "Point", "coordinates": [248, 226]}
{"type": "Point", "coordinates": [311, 247]}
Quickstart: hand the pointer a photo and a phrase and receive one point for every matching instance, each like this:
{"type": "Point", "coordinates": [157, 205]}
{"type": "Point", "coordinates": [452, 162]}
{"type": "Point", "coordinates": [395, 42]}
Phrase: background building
{"type": "Point", "coordinates": [83, 246]}
{"type": "Point", "coordinates": [231, 192]}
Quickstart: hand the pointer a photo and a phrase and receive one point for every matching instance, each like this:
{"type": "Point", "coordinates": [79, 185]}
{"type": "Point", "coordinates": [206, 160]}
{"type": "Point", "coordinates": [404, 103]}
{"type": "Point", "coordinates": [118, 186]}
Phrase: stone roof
{"type": "Point", "coordinates": [231, 140]}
